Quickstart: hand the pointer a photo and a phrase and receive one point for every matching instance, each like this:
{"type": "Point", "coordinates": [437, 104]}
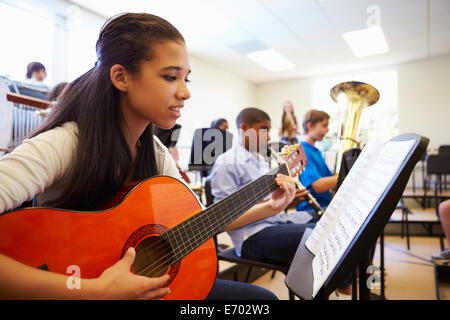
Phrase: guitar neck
{"type": "Point", "coordinates": [191, 233]}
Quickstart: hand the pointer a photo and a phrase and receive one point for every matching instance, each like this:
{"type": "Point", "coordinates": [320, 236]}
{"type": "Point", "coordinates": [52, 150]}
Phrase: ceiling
{"type": "Point", "coordinates": [307, 32]}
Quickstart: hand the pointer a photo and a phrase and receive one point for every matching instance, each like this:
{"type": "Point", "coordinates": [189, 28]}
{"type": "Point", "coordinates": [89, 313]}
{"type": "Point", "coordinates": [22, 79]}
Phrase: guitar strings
{"type": "Point", "coordinates": [185, 249]}
{"type": "Point", "coordinates": [211, 227]}
{"type": "Point", "coordinates": [217, 222]}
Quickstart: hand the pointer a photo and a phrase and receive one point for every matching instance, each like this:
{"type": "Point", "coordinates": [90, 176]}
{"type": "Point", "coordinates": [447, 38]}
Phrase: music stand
{"type": "Point", "coordinates": [207, 145]}
{"type": "Point", "coordinates": [300, 276]}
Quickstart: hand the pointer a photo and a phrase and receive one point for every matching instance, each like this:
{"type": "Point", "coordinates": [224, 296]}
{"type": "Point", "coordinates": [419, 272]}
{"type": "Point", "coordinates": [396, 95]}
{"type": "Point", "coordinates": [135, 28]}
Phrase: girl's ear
{"type": "Point", "coordinates": [119, 77]}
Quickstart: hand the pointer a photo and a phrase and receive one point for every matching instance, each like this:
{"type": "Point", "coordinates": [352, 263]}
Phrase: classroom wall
{"type": "Point", "coordinates": [215, 93]}
{"type": "Point", "coordinates": [271, 96]}
{"type": "Point", "coordinates": [424, 99]}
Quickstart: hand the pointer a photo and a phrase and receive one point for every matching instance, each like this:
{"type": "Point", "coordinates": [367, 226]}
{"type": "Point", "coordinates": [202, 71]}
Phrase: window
{"type": "Point", "coordinates": [83, 29]}
{"type": "Point", "coordinates": [379, 120]}
{"type": "Point", "coordinates": [26, 37]}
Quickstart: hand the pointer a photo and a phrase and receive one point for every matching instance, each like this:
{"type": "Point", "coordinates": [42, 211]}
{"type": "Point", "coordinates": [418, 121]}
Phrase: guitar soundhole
{"type": "Point", "coordinates": [153, 254]}
{"type": "Point", "coordinates": [153, 257]}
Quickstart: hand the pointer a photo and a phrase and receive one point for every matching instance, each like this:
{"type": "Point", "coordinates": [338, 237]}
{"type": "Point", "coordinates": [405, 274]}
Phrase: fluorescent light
{"type": "Point", "coordinates": [366, 42]}
{"type": "Point", "coordinates": [270, 59]}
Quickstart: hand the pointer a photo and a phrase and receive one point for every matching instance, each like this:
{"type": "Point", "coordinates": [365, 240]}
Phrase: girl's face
{"type": "Point", "coordinates": [157, 93]}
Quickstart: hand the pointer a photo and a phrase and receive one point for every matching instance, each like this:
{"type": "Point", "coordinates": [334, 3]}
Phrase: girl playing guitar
{"type": "Point", "coordinates": [98, 138]}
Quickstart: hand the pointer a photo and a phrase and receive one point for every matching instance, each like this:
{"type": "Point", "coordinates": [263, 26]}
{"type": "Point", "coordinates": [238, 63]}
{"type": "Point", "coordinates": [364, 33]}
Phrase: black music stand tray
{"type": "Point", "coordinates": [300, 275]}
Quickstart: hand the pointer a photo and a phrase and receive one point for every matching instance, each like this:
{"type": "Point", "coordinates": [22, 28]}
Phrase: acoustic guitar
{"type": "Point", "coordinates": [160, 217]}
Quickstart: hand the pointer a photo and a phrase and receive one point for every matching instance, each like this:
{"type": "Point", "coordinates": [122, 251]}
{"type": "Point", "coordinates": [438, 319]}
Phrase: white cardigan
{"type": "Point", "coordinates": [38, 166]}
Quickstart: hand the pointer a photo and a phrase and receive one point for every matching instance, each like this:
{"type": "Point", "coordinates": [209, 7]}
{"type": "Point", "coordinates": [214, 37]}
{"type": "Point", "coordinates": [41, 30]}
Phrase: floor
{"type": "Point", "coordinates": [409, 275]}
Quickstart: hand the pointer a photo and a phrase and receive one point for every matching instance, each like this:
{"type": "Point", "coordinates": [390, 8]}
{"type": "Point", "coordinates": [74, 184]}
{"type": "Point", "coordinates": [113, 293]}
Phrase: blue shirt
{"type": "Point", "coordinates": [233, 170]}
{"type": "Point", "coordinates": [315, 169]}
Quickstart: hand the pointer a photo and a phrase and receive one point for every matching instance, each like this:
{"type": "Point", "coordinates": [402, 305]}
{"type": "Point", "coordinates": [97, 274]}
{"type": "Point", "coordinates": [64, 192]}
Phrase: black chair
{"type": "Point", "coordinates": [444, 149]}
{"type": "Point", "coordinates": [420, 199]}
{"type": "Point", "coordinates": [225, 253]}
{"type": "Point", "coordinates": [404, 222]}
{"type": "Point", "coordinates": [277, 146]}
{"type": "Point", "coordinates": [168, 137]}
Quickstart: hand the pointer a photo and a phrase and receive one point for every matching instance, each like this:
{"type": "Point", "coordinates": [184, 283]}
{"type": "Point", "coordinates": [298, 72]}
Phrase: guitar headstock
{"type": "Point", "coordinates": [294, 157]}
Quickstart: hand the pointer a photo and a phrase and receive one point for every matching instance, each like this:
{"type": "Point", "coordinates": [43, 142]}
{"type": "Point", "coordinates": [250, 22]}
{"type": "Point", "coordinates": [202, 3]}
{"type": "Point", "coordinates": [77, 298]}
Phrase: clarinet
{"type": "Point", "coordinates": [309, 197]}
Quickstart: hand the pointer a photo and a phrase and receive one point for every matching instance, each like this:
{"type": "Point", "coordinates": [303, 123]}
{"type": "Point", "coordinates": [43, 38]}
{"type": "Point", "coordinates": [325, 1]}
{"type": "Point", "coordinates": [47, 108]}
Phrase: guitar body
{"type": "Point", "coordinates": [55, 239]}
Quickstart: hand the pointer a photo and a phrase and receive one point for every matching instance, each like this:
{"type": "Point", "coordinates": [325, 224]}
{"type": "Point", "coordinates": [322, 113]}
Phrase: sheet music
{"type": "Point", "coordinates": [361, 202]}
{"type": "Point", "coordinates": [342, 197]}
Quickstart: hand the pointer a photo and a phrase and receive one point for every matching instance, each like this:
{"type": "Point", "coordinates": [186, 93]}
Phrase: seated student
{"type": "Point", "coordinates": [220, 123]}
{"type": "Point", "coordinates": [274, 236]}
{"type": "Point", "coordinates": [316, 177]}
{"type": "Point", "coordinates": [444, 214]}
{"type": "Point", "coordinates": [98, 138]}
{"type": "Point", "coordinates": [36, 73]}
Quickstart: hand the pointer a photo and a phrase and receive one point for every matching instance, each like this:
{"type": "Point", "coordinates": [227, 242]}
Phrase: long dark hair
{"type": "Point", "coordinates": [103, 160]}
{"type": "Point", "coordinates": [32, 67]}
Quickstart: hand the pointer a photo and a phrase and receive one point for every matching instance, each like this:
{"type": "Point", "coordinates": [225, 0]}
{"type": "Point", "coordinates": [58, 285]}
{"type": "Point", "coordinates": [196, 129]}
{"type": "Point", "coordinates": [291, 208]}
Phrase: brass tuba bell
{"type": "Point", "coordinates": [357, 96]}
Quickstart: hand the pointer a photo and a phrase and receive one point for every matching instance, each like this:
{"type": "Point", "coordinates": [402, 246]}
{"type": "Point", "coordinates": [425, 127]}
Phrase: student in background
{"type": "Point", "coordinates": [36, 73]}
{"type": "Point", "coordinates": [316, 177]}
{"type": "Point", "coordinates": [289, 128]}
{"type": "Point", "coordinates": [98, 138]}
{"type": "Point", "coordinates": [265, 233]}
{"type": "Point", "coordinates": [220, 123]}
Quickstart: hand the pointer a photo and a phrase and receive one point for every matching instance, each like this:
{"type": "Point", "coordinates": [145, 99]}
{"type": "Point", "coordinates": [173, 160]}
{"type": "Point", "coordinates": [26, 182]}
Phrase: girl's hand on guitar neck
{"type": "Point", "coordinates": [118, 282]}
{"type": "Point", "coordinates": [284, 195]}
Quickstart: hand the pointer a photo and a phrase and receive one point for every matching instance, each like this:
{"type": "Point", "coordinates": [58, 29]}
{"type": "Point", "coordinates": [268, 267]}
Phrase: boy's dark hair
{"type": "Point", "coordinates": [251, 116]}
{"type": "Point", "coordinates": [32, 67]}
{"type": "Point", "coordinates": [103, 158]}
{"type": "Point", "coordinates": [313, 116]}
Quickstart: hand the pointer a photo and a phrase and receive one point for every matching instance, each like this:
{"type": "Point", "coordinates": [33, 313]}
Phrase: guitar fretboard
{"type": "Point", "coordinates": [191, 233]}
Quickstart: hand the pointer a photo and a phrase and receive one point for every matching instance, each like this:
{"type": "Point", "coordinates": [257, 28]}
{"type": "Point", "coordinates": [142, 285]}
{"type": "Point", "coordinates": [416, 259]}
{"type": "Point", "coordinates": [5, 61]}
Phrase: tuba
{"type": "Point", "coordinates": [356, 96]}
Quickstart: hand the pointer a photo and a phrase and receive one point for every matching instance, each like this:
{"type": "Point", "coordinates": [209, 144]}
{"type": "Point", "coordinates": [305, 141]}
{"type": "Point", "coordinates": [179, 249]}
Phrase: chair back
{"type": "Point", "coordinates": [444, 149]}
{"type": "Point", "coordinates": [207, 145]}
{"type": "Point", "coordinates": [208, 192]}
